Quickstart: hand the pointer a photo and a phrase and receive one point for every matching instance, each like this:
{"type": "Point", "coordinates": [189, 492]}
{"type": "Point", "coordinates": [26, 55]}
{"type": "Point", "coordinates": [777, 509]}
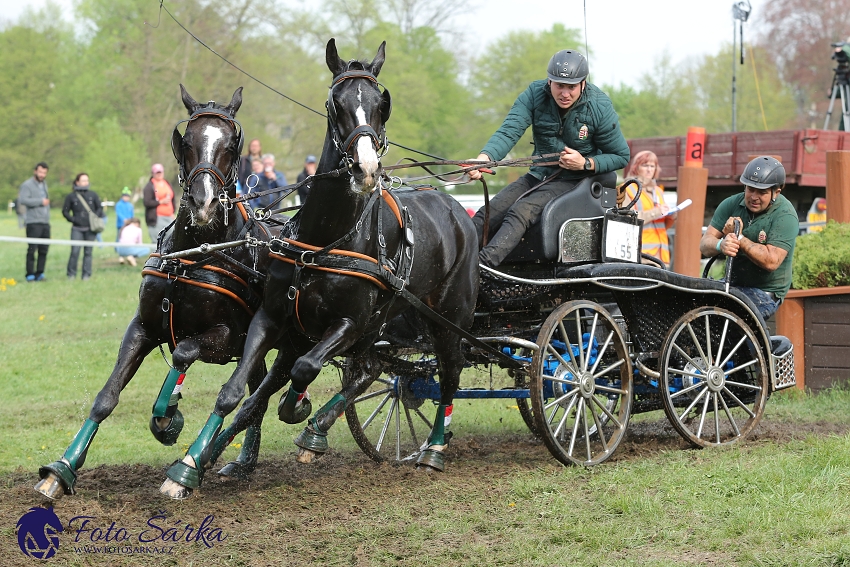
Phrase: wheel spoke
{"type": "Point", "coordinates": [590, 337]}
{"type": "Point", "coordinates": [561, 423]}
{"type": "Point", "coordinates": [722, 338]}
{"type": "Point", "coordinates": [731, 419]}
{"type": "Point", "coordinates": [699, 346]}
{"type": "Point", "coordinates": [688, 358]}
{"type": "Point", "coordinates": [734, 350]}
{"type": "Point", "coordinates": [693, 404]}
{"type": "Point", "coordinates": [601, 352]}
{"type": "Point", "coordinates": [614, 366]}
{"type": "Point", "coordinates": [708, 339]}
{"type": "Point", "coordinates": [584, 413]}
{"type": "Point", "coordinates": [580, 340]}
{"type": "Point", "coordinates": [376, 412]}
{"type": "Point", "coordinates": [573, 383]}
{"type": "Point", "coordinates": [610, 415]}
{"type": "Point", "coordinates": [686, 390]}
{"type": "Point", "coordinates": [410, 425]}
{"type": "Point", "coordinates": [425, 419]}
{"type": "Point", "coordinates": [386, 381]}
{"type": "Point", "coordinates": [575, 427]}
{"type": "Point", "coordinates": [611, 390]}
{"type": "Point", "coordinates": [742, 385]}
{"type": "Point", "coordinates": [599, 427]}
{"type": "Point", "coordinates": [686, 373]}
{"type": "Point", "coordinates": [371, 395]}
{"type": "Point", "coordinates": [716, 417]}
{"type": "Point", "coordinates": [741, 367]}
{"type": "Point", "coordinates": [561, 399]}
{"type": "Point", "coordinates": [398, 432]}
{"type": "Point", "coordinates": [702, 416]}
{"type": "Point", "coordinates": [551, 350]}
{"type": "Point", "coordinates": [386, 425]}
{"type": "Point", "coordinates": [567, 342]}
{"type": "Point", "coordinates": [739, 402]}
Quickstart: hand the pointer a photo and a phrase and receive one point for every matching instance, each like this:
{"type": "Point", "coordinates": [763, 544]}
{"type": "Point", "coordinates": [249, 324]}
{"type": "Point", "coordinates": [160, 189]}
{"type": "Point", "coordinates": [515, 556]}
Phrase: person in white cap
{"type": "Point", "coordinates": [160, 202]}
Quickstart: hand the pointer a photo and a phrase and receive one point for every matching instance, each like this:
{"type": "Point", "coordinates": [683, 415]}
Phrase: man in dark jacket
{"type": "Point", "coordinates": [77, 214]}
{"type": "Point", "coordinates": [33, 196]}
{"type": "Point", "coordinates": [309, 169]}
{"type": "Point", "coordinates": [568, 116]}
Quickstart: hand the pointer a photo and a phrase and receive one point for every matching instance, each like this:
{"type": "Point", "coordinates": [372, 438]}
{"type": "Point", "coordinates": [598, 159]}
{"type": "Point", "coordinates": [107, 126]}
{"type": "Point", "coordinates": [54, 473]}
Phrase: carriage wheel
{"type": "Point", "coordinates": [521, 381]}
{"type": "Point", "coordinates": [714, 378]}
{"type": "Point", "coordinates": [390, 420]}
{"type": "Point", "coordinates": [581, 384]}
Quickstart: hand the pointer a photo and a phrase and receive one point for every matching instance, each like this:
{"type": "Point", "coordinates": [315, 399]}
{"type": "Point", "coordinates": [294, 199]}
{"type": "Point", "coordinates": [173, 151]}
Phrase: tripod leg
{"type": "Point", "coordinates": [831, 103]}
{"type": "Point", "coordinates": [845, 107]}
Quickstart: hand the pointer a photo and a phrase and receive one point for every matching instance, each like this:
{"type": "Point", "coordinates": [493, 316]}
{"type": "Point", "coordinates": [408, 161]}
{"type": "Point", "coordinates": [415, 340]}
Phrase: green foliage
{"type": "Point", "coordinates": [822, 259]}
{"type": "Point", "coordinates": [113, 159]}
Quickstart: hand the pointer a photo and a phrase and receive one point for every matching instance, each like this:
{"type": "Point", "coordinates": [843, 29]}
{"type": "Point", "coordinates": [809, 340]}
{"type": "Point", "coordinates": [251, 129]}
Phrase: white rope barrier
{"type": "Point", "coordinates": [52, 242]}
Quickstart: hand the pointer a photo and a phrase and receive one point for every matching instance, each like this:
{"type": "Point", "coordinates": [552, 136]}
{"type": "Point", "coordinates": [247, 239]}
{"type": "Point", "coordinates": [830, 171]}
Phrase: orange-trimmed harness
{"type": "Point", "coordinates": [384, 272]}
{"type": "Point", "coordinates": [206, 275]}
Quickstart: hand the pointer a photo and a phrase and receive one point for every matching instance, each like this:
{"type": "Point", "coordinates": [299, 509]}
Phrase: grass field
{"type": "Point", "coordinates": [780, 499]}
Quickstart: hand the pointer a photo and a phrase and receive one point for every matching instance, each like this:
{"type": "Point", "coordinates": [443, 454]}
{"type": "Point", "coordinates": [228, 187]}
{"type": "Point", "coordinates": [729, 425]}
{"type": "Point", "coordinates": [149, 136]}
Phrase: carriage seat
{"type": "Point", "coordinates": [589, 198]}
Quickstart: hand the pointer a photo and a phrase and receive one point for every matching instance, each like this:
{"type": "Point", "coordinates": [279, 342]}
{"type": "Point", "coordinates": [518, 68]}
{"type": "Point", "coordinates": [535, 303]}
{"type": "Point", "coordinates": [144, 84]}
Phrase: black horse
{"type": "Point", "coordinates": [202, 307]}
{"type": "Point", "coordinates": [348, 252]}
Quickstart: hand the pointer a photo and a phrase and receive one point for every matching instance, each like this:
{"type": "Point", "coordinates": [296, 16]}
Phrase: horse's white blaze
{"type": "Point", "coordinates": [212, 137]}
{"type": "Point", "coordinates": [366, 154]}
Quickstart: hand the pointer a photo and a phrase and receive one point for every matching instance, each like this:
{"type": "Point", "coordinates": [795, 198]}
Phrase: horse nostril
{"type": "Point", "coordinates": [356, 169]}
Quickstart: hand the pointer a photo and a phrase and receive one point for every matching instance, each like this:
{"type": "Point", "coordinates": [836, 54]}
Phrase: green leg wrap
{"type": "Point", "coordinates": [438, 433]}
{"type": "Point", "coordinates": [329, 413]}
{"type": "Point", "coordinates": [189, 476]}
{"type": "Point", "coordinates": [294, 407]}
{"type": "Point", "coordinates": [169, 394]}
{"type": "Point", "coordinates": [73, 459]}
{"type": "Point", "coordinates": [221, 442]}
{"type": "Point", "coordinates": [245, 463]}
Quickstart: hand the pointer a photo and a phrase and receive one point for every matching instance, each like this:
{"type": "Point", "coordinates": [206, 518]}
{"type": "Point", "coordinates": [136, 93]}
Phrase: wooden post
{"type": "Point", "coordinates": [693, 182]}
{"type": "Point", "coordinates": [790, 320]}
{"type": "Point", "coordinates": [838, 185]}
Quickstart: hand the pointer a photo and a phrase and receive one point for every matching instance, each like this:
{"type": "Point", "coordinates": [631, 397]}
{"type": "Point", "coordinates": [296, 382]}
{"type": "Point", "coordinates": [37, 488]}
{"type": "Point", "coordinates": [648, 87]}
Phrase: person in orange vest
{"type": "Point", "coordinates": [160, 202]}
{"type": "Point", "coordinates": [651, 207]}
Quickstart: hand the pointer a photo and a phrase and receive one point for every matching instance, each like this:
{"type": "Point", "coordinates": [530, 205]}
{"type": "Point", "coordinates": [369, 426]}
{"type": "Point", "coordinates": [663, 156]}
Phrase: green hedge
{"type": "Point", "coordinates": [822, 259]}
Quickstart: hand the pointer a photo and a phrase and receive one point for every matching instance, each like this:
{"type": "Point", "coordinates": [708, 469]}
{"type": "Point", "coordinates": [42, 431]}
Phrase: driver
{"type": "Point", "coordinates": [568, 116]}
{"type": "Point", "coordinates": [763, 253]}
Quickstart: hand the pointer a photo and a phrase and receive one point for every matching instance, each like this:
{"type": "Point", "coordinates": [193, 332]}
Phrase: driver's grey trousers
{"type": "Point", "coordinates": [509, 218]}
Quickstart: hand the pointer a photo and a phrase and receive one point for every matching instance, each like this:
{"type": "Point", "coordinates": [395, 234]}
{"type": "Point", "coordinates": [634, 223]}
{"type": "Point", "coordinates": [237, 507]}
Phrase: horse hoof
{"type": "Point", "coordinates": [306, 456]}
{"type": "Point", "coordinates": [431, 460]}
{"type": "Point", "coordinates": [237, 470]}
{"type": "Point", "coordinates": [167, 435]}
{"type": "Point", "coordinates": [50, 487]}
{"type": "Point", "coordinates": [175, 490]}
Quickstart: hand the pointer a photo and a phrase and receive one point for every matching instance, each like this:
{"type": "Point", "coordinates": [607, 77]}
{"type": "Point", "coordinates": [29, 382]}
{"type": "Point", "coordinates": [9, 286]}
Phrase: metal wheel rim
{"type": "Point", "coordinates": [385, 421]}
{"type": "Point", "coordinates": [724, 381]}
{"type": "Point", "coordinates": [573, 433]}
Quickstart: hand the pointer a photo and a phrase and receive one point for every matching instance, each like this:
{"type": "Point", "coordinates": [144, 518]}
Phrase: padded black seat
{"type": "Point", "coordinates": [646, 271]}
{"type": "Point", "coordinates": [589, 198]}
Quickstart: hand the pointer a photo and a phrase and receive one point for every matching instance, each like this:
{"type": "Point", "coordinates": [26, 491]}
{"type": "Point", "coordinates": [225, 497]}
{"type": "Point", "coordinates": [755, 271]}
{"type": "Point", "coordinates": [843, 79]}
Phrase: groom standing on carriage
{"type": "Point", "coordinates": [568, 116]}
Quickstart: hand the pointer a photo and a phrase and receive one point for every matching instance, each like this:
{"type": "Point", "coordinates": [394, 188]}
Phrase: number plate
{"type": "Point", "coordinates": [622, 239]}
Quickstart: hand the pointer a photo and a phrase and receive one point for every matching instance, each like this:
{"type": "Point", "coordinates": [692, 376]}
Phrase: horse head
{"type": "Point", "coordinates": [357, 114]}
{"type": "Point", "coordinates": [208, 155]}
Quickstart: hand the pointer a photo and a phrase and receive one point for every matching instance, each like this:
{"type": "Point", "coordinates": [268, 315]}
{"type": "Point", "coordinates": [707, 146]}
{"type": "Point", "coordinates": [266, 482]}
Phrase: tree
{"type": "Point", "coordinates": [113, 159]}
{"type": "Point", "coordinates": [796, 34]}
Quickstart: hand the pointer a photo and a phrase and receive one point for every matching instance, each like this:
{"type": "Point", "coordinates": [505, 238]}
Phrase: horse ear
{"type": "Point", "coordinates": [335, 64]}
{"type": "Point", "coordinates": [235, 102]}
{"type": "Point", "coordinates": [378, 61]}
{"type": "Point", "coordinates": [190, 103]}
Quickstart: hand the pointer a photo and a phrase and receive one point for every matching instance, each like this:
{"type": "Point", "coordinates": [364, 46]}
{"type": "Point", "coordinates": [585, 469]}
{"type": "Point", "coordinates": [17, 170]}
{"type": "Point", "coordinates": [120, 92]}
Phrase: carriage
{"type": "Point", "coordinates": [588, 335]}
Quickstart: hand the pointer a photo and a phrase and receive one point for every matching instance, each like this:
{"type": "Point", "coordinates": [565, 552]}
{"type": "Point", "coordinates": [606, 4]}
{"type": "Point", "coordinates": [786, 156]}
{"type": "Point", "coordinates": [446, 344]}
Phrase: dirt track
{"type": "Point", "coordinates": [287, 509]}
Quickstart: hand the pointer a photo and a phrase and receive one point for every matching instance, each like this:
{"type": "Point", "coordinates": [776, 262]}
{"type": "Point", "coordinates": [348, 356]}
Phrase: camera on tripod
{"type": "Point", "coordinates": [840, 55]}
{"type": "Point", "coordinates": [840, 85]}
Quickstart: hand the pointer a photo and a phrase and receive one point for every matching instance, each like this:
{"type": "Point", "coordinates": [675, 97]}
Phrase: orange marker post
{"type": "Point", "coordinates": [694, 146]}
{"type": "Point", "coordinates": [693, 182]}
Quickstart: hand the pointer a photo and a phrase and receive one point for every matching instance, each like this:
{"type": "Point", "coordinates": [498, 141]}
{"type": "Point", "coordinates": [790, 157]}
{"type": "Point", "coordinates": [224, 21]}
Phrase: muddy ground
{"type": "Point", "coordinates": [285, 513]}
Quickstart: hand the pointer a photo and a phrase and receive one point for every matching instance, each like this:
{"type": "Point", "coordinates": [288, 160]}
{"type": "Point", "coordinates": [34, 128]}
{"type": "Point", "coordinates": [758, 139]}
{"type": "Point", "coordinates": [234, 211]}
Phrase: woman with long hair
{"type": "Point", "coordinates": [651, 207]}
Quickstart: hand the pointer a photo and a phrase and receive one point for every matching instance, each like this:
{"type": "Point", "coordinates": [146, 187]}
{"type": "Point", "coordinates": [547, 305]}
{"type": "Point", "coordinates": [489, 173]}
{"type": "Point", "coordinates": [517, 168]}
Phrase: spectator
{"type": "Point", "coordinates": [130, 237]}
{"type": "Point", "coordinates": [763, 251]}
{"type": "Point", "coordinates": [160, 202]}
{"type": "Point", "coordinates": [123, 211]}
{"type": "Point", "coordinates": [33, 195]}
{"type": "Point", "coordinates": [309, 169]}
{"type": "Point", "coordinates": [255, 151]}
{"type": "Point", "coordinates": [77, 213]}
{"type": "Point", "coordinates": [651, 207]}
{"type": "Point", "coordinates": [273, 179]}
